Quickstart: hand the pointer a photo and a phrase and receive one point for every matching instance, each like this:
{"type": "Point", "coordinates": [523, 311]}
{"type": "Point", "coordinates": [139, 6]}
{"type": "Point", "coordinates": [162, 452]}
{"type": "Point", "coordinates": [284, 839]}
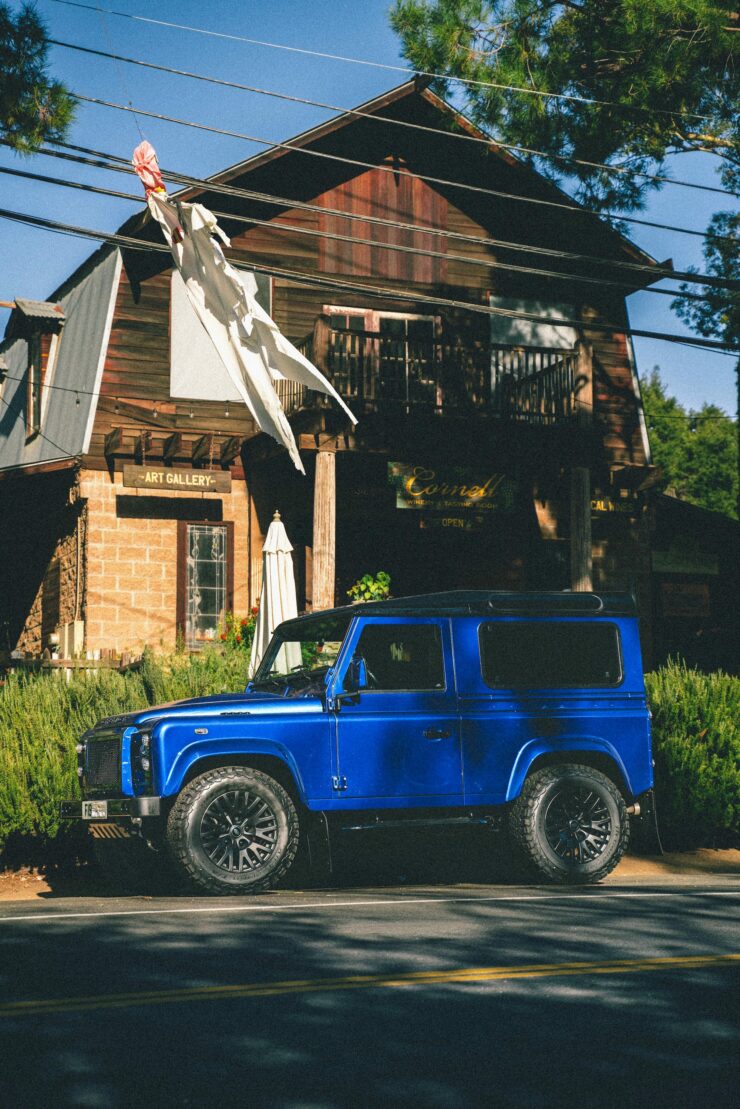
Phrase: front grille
{"type": "Point", "coordinates": [103, 763]}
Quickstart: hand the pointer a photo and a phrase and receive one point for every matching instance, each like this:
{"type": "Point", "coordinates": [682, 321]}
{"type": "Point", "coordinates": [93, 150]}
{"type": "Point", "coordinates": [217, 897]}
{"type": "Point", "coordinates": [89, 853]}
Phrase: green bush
{"type": "Point", "coordinates": [696, 742]}
{"type": "Point", "coordinates": [42, 717]}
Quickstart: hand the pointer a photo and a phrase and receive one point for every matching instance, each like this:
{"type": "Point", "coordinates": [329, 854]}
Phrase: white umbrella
{"type": "Point", "coordinates": [277, 599]}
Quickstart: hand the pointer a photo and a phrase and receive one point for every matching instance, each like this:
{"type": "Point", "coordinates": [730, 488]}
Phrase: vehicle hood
{"type": "Point", "coordinates": [217, 705]}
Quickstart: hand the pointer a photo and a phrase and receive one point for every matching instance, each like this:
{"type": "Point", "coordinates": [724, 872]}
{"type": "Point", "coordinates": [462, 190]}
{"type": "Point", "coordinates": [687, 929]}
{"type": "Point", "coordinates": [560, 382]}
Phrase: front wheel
{"type": "Point", "coordinates": [570, 824]}
{"type": "Point", "coordinates": [234, 830]}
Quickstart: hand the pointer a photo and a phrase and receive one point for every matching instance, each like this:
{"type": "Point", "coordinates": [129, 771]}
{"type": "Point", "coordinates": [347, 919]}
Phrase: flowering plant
{"type": "Point", "coordinates": [237, 632]}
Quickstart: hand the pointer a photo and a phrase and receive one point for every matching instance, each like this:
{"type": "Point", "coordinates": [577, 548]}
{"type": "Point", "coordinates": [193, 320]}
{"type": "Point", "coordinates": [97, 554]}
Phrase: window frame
{"type": "Point", "coordinates": [181, 616]}
{"type": "Point", "coordinates": [549, 623]}
{"type": "Point", "coordinates": [444, 688]}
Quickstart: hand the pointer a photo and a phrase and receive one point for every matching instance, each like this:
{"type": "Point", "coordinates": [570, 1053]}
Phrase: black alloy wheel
{"type": "Point", "coordinates": [239, 831]}
{"type": "Point", "coordinates": [569, 824]}
{"type": "Point", "coordinates": [234, 830]}
{"type": "Point", "coordinates": [577, 823]}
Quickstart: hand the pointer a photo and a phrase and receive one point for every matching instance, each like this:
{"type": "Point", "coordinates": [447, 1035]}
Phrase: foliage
{"type": "Point", "coordinates": [696, 745]}
{"type": "Point", "coordinates": [635, 81]}
{"type": "Point", "coordinates": [667, 65]}
{"type": "Point", "coordinates": [33, 108]}
{"type": "Point", "coordinates": [42, 717]}
{"type": "Point", "coordinates": [697, 451]}
{"type": "Point", "coordinates": [238, 631]}
{"type": "Point", "coordinates": [369, 588]}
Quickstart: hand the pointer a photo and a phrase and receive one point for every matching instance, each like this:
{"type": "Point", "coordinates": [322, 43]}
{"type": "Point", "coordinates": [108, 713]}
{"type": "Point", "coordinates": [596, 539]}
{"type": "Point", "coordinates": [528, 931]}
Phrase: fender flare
{"type": "Point", "coordinates": [538, 747]}
{"type": "Point", "coordinates": [238, 748]}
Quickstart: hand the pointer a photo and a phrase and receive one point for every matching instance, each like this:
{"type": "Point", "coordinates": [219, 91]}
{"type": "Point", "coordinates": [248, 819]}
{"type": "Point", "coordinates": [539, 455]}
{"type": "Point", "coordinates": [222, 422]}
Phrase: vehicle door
{"type": "Point", "coordinates": [398, 738]}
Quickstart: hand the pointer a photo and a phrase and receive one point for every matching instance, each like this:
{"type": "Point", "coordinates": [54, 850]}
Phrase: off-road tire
{"type": "Point", "coordinates": [222, 787]}
{"type": "Point", "coordinates": [535, 825]}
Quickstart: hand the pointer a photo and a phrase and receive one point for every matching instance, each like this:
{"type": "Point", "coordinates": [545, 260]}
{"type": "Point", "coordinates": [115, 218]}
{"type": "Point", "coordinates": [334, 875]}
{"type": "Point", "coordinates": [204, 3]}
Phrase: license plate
{"type": "Point", "coordinates": [94, 810]}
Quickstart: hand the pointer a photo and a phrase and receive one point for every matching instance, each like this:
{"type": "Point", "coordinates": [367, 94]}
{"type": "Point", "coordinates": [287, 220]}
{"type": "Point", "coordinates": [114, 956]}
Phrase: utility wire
{"type": "Point", "coordinates": [362, 114]}
{"type": "Point", "coordinates": [374, 243]}
{"type": "Point", "coordinates": [656, 271]}
{"type": "Point", "coordinates": [470, 81]}
{"type": "Point", "coordinates": [301, 278]}
{"type": "Point", "coordinates": [573, 208]}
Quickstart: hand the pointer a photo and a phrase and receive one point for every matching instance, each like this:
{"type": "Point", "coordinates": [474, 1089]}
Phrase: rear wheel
{"type": "Point", "coordinates": [570, 824]}
{"type": "Point", "coordinates": [234, 830]}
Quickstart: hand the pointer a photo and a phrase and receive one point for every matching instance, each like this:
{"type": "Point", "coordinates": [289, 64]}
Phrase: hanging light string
{"type": "Point", "coordinates": [374, 243]}
{"type": "Point", "coordinates": [364, 114]}
{"type": "Point", "coordinates": [300, 277]}
{"type": "Point", "coordinates": [409, 72]}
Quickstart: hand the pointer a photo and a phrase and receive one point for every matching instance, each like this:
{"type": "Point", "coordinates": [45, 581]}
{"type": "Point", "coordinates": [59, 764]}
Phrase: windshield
{"type": "Point", "coordinates": [302, 653]}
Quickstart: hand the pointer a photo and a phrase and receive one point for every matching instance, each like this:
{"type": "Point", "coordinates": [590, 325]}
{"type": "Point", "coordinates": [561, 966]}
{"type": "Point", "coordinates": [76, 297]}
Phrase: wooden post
{"type": "Point", "coordinates": [324, 530]}
{"type": "Point", "coordinates": [581, 561]}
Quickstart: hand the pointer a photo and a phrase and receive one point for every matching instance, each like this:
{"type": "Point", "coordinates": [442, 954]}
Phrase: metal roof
{"type": "Point", "coordinates": [40, 310]}
{"type": "Point", "coordinates": [483, 602]}
{"type": "Point", "coordinates": [68, 406]}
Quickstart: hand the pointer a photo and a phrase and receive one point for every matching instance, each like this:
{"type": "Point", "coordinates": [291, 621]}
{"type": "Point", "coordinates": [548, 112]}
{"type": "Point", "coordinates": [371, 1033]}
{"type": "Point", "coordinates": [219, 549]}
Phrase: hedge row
{"type": "Point", "coordinates": [42, 717]}
{"type": "Point", "coordinates": [696, 739]}
{"type": "Point", "coordinates": [696, 746]}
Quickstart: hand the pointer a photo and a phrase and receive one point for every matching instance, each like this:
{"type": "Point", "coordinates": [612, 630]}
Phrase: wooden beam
{"type": "Point", "coordinates": [172, 446]}
{"type": "Point", "coordinates": [324, 530]}
{"type": "Point", "coordinates": [113, 441]}
{"type": "Point", "coordinates": [581, 551]}
{"type": "Point", "coordinates": [202, 448]}
{"type": "Point", "coordinates": [143, 445]}
{"type": "Point", "coordinates": [230, 449]}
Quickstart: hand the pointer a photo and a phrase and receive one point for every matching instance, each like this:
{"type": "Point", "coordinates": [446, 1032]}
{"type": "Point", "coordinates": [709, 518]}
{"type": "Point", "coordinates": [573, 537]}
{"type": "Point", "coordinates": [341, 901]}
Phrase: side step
{"type": "Point", "coordinates": [489, 821]}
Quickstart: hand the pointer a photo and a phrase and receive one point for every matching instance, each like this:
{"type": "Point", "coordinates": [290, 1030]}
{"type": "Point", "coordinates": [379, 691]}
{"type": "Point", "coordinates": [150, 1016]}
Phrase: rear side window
{"type": "Point", "coordinates": [529, 655]}
{"type": "Point", "coordinates": [402, 656]}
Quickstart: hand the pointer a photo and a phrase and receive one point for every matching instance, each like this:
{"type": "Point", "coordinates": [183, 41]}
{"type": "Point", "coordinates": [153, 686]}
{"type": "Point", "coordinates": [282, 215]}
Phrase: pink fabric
{"type": "Point", "coordinates": [145, 164]}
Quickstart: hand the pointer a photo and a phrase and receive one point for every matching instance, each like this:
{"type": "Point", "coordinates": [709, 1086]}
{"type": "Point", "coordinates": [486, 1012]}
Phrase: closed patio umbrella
{"type": "Point", "coordinates": [277, 599]}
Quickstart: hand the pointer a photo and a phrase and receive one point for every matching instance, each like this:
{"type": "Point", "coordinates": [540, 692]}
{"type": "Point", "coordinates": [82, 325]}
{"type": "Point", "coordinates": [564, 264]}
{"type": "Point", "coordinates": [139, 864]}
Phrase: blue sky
{"type": "Point", "coordinates": [33, 262]}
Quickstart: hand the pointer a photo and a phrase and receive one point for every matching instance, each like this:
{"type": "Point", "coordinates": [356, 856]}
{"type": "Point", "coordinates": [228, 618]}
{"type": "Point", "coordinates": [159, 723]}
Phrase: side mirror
{"type": "Point", "coordinates": [356, 677]}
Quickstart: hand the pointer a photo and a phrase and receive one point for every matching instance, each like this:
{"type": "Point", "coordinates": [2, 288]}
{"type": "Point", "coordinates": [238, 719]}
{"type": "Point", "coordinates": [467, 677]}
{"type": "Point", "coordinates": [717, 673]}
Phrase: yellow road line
{"type": "Point", "coordinates": [358, 982]}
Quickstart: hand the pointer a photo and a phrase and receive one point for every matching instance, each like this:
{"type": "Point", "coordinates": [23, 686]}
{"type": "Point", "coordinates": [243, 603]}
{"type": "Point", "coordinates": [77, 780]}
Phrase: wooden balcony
{"type": "Point", "coordinates": [375, 372]}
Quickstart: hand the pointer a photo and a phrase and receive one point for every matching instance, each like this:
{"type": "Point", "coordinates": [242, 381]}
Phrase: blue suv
{"type": "Point", "coordinates": [524, 711]}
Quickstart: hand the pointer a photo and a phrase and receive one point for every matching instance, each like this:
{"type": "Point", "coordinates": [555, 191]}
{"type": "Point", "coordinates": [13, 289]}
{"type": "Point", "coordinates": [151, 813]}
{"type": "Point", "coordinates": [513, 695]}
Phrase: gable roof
{"type": "Point", "coordinates": [392, 106]}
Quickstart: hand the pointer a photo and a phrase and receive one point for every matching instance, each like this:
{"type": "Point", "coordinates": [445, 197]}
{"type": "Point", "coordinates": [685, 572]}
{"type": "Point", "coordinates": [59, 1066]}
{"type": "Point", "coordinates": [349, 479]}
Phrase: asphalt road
{"type": "Point", "coordinates": [439, 996]}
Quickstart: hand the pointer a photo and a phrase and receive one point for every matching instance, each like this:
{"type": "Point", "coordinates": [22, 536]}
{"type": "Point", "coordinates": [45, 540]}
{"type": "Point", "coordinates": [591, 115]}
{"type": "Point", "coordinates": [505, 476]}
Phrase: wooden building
{"type": "Point", "coordinates": [500, 440]}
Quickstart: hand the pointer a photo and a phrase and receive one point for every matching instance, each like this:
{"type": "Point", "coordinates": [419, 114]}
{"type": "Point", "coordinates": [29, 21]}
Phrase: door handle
{"type": "Point", "coordinates": [436, 733]}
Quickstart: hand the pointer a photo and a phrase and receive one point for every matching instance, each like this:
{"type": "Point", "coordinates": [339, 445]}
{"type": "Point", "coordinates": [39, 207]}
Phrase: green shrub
{"type": "Point", "coordinates": [42, 717]}
{"type": "Point", "coordinates": [696, 742]}
{"type": "Point", "coordinates": [369, 588]}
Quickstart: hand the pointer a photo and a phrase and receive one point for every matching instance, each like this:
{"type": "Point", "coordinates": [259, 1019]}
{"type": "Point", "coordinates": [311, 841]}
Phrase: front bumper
{"type": "Point", "coordinates": [111, 808]}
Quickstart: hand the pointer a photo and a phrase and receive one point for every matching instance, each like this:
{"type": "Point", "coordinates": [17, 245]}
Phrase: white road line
{"type": "Point", "coordinates": [313, 905]}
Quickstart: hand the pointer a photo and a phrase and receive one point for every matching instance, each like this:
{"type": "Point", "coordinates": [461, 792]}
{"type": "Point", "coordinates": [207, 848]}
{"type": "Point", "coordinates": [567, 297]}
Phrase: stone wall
{"type": "Point", "coordinates": [131, 583]}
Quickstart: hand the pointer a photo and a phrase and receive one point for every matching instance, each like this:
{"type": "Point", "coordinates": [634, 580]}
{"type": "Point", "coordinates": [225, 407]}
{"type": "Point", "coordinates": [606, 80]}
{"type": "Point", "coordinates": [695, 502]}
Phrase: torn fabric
{"type": "Point", "coordinates": [254, 352]}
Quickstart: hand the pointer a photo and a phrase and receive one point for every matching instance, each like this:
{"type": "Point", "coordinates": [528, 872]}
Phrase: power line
{"type": "Point", "coordinates": [354, 240]}
{"type": "Point", "coordinates": [470, 81]}
{"type": "Point", "coordinates": [657, 272]}
{"type": "Point", "coordinates": [301, 278]}
{"type": "Point", "coordinates": [573, 208]}
{"type": "Point", "coordinates": [362, 114]}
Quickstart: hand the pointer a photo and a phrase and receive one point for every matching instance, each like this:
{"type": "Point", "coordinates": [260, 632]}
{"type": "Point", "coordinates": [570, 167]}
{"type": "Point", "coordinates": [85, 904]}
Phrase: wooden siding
{"type": "Point", "coordinates": [136, 373]}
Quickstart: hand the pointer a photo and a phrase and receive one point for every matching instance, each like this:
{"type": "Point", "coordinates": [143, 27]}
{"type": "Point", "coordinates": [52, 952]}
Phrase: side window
{"type": "Point", "coordinates": [529, 655]}
{"type": "Point", "coordinates": [402, 656]}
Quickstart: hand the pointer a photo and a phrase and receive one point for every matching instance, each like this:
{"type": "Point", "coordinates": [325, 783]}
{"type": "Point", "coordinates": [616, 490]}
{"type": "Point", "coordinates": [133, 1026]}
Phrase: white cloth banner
{"type": "Point", "coordinates": [254, 352]}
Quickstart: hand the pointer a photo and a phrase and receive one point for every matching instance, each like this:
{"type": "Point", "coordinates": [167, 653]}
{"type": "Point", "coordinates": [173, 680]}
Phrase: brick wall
{"type": "Point", "coordinates": [131, 585]}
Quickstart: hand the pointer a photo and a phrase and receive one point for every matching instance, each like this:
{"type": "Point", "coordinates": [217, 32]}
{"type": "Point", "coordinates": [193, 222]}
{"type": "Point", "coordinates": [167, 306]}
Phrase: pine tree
{"type": "Point", "coordinates": [34, 108]}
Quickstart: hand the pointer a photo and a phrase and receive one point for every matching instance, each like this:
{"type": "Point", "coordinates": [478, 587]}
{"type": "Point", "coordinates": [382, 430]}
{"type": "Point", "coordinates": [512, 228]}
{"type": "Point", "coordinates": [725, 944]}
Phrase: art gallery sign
{"type": "Point", "coordinates": [177, 480]}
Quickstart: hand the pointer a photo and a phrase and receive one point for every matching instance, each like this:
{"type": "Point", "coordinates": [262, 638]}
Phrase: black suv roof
{"type": "Point", "coordinates": [483, 602]}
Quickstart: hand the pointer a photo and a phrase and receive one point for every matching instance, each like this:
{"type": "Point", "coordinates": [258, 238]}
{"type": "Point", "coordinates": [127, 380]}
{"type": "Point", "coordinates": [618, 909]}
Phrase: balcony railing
{"type": "Point", "coordinates": [372, 371]}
